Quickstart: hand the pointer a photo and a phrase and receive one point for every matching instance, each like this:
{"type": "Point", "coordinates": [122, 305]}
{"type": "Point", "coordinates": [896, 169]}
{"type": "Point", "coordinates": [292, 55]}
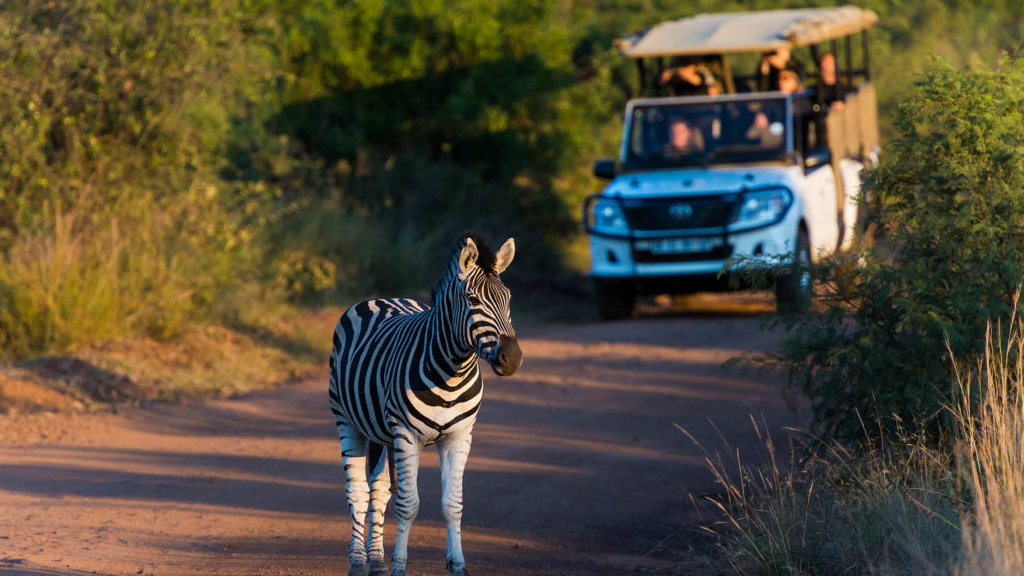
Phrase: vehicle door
{"type": "Point", "coordinates": [818, 179]}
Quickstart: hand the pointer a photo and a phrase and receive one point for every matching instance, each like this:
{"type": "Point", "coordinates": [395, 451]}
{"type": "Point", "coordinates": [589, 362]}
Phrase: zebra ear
{"type": "Point", "coordinates": [504, 256]}
{"type": "Point", "coordinates": [467, 258]}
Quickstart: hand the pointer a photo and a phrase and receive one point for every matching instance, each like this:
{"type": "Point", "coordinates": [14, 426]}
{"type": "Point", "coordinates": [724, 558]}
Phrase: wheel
{"type": "Point", "coordinates": [793, 289]}
{"type": "Point", "coordinates": [615, 300]}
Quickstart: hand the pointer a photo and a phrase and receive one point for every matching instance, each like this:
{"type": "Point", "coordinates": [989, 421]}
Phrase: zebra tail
{"type": "Point", "coordinates": [391, 468]}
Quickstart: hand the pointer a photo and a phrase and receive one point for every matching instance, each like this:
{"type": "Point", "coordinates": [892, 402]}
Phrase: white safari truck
{"type": "Point", "coordinates": [729, 167]}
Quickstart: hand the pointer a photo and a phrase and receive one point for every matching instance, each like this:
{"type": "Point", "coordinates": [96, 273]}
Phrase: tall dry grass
{"type": "Point", "coordinates": [808, 506]}
{"type": "Point", "coordinates": [147, 267]}
{"type": "Point", "coordinates": [990, 452]}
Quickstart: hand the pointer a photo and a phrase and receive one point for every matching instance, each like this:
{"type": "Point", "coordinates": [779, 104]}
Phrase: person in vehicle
{"type": "Point", "coordinates": [689, 77]}
{"type": "Point", "coordinates": [789, 81]}
{"type": "Point", "coordinates": [682, 138]}
{"type": "Point", "coordinates": [767, 130]}
{"type": "Point", "coordinates": [832, 91]}
{"type": "Point", "coordinates": [772, 65]}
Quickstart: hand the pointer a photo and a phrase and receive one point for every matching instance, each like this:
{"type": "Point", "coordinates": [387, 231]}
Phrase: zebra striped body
{"type": "Point", "coordinates": [404, 376]}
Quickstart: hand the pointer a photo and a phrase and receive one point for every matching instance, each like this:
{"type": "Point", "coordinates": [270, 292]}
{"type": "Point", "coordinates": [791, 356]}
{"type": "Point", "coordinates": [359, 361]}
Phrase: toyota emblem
{"type": "Point", "coordinates": [680, 211]}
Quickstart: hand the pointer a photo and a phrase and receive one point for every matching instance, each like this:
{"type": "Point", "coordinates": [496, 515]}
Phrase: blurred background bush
{"type": "Point", "coordinates": [168, 163]}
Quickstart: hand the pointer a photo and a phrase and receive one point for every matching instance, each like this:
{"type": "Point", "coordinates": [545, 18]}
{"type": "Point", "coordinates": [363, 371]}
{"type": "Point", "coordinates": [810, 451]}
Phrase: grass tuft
{"type": "Point", "coordinates": [810, 506]}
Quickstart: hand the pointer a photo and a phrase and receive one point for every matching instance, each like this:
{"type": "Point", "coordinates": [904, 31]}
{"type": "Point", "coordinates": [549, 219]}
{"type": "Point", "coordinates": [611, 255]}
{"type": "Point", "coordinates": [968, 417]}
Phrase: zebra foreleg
{"type": "Point", "coordinates": [454, 451]}
{"type": "Point", "coordinates": [407, 505]}
{"type": "Point", "coordinates": [380, 493]}
{"type": "Point", "coordinates": [357, 492]}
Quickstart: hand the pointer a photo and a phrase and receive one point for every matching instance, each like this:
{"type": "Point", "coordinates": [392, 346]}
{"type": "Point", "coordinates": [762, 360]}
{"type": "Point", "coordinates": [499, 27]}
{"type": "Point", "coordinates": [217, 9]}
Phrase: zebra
{"type": "Point", "coordinates": [403, 376]}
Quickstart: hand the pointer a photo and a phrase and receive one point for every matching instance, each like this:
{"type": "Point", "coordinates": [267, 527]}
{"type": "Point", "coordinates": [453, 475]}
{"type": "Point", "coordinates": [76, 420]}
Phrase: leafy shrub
{"type": "Point", "coordinates": [951, 210]}
{"type": "Point", "coordinates": [113, 218]}
{"type": "Point", "coordinates": [411, 122]}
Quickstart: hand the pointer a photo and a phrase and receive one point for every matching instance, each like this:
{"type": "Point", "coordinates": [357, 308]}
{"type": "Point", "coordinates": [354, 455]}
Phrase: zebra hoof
{"type": "Point", "coordinates": [457, 570]}
{"type": "Point", "coordinates": [378, 569]}
{"type": "Point", "coordinates": [357, 570]}
{"type": "Point", "coordinates": [398, 572]}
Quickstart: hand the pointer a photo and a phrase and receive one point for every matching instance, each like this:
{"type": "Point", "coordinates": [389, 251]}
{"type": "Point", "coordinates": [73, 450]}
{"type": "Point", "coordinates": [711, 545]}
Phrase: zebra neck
{"type": "Point", "coordinates": [449, 348]}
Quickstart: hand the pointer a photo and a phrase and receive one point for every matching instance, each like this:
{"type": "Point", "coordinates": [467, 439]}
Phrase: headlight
{"type": "Point", "coordinates": [761, 209]}
{"type": "Point", "coordinates": [606, 217]}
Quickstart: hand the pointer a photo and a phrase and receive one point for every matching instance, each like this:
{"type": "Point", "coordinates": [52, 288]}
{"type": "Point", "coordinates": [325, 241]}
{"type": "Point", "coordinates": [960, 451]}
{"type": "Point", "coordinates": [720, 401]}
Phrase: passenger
{"type": "Point", "coordinates": [772, 63]}
{"type": "Point", "coordinates": [688, 77]}
{"type": "Point", "coordinates": [789, 81]}
{"type": "Point", "coordinates": [682, 139]}
{"type": "Point", "coordinates": [832, 91]}
{"type": "Point", "coordinates": [766, 131]}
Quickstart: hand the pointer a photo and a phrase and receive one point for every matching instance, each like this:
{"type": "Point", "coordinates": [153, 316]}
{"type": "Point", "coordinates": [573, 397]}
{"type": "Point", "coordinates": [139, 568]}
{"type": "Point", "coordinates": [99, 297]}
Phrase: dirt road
{"type": "Point", "coordinates": [576, 469]}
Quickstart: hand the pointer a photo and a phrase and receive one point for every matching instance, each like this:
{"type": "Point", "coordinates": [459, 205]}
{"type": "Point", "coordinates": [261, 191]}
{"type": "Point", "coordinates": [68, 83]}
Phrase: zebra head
{"type": "Point", "coordinates": [484, 299]}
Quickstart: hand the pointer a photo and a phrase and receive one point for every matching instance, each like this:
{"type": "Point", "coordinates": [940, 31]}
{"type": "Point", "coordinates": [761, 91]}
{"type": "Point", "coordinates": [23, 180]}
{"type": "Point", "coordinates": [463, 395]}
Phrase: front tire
{"type": "Point", "coordinates": [615, 300]}
{"type": "Point", "coordinates": [793, 289]}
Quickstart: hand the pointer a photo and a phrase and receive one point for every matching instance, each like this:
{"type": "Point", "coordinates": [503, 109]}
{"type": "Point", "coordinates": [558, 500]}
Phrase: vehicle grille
{"type": "Point", "coordinates": [673, 214]}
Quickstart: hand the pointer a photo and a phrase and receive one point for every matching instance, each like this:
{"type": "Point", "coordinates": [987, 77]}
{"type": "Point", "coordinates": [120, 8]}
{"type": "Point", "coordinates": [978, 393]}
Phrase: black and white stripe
{"type": "Point", "coordinates": [404, 376]}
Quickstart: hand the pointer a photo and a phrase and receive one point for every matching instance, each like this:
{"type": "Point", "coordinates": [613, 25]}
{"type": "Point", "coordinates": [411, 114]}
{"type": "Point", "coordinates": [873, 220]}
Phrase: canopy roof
{"type": "Point", "coordinates": [747, 31]}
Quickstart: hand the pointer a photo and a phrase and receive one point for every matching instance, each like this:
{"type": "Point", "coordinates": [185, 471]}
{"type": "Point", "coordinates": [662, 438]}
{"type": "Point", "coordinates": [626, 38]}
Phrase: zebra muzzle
{"type": "Point", "coordinates": [508, 358]}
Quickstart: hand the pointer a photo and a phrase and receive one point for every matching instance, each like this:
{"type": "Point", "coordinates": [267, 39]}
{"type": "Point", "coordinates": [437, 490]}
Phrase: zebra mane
{"type": "Point", "coordinates": [485, 259]}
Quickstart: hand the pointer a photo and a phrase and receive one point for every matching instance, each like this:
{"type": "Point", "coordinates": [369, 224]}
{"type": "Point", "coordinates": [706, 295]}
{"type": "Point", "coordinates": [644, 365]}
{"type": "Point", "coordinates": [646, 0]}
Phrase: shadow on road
{"type": "Point", "coordinates": [578, 466]}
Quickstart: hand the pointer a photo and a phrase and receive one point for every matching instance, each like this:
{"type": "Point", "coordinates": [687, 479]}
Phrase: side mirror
{"type": "Point", "coordinates": [817, 158]}
{"type": "Point", "coordinates": [604, 168]}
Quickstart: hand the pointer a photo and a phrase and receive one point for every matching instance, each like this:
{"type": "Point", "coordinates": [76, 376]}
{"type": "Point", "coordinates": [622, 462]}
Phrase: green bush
{"type": "Point", "coordinates": [950, 195]}
{"type": "Point", "coordinates": [408, 123]}
{"type": "Point", "coordinates": [114, 219]}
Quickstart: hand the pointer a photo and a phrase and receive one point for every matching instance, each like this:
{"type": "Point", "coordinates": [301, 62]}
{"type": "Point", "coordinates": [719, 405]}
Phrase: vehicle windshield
{"type": "Point", "coordinates": [712, 131]}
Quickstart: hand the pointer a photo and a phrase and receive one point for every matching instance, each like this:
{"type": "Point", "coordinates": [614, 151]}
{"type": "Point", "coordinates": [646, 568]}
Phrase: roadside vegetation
{"type": "Point", "coordinates": [897, 505]}
{"type": "Point", "coordinates": [191, 190]}
{"type": "Point", "coordinates": [912, 362]}
{"type": "Point", "coordinates": [948, 204]}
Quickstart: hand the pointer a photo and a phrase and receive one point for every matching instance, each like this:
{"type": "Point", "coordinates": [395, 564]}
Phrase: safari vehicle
{"type": "Point", "coordinates": [765, 177]}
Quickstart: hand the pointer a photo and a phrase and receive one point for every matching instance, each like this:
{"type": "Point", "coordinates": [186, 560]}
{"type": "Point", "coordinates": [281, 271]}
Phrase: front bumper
{"type": "Point", "coordinates": [686, 264]}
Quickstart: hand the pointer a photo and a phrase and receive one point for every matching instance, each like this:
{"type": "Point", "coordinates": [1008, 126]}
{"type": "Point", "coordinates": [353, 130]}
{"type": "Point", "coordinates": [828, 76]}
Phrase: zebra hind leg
{"type": "Point", "coordinates": [380, 493]}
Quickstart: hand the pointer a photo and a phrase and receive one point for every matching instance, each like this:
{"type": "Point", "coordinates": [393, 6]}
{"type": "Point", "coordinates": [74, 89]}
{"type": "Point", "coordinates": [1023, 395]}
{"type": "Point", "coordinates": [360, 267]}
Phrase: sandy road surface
{"type": "Point", "coordinates": [576, 468]}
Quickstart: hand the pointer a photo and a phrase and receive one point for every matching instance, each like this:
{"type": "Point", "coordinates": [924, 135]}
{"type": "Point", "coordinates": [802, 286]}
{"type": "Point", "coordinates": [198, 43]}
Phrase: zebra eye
{"type": "Point", "coordinates": [474, 301]}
